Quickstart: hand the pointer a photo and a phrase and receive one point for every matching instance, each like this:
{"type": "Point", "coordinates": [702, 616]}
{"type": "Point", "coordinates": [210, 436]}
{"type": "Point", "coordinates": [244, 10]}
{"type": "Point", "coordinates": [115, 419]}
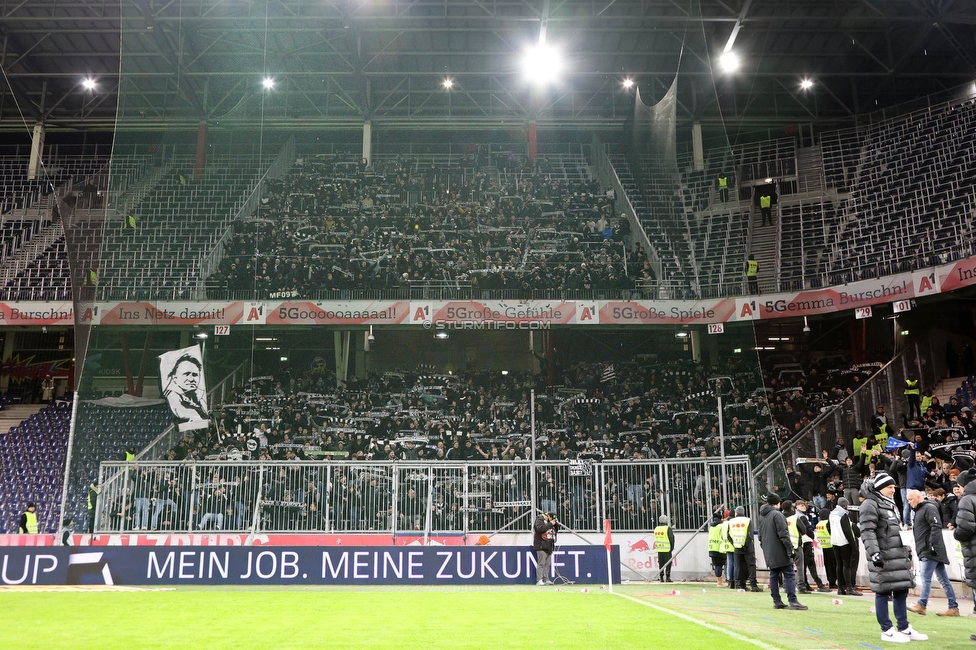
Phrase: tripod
{"type": "Point", "coordinates": [558, 578]}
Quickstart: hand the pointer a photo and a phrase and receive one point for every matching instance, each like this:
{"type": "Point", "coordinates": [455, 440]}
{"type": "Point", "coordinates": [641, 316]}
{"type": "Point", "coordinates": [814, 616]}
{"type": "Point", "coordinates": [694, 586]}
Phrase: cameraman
{"type": "Point", "coordinates": [544, 541]}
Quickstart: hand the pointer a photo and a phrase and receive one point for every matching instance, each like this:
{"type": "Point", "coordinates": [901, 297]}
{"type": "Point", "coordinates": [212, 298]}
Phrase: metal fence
{"type": "Point", "coordinates": [440, 497]}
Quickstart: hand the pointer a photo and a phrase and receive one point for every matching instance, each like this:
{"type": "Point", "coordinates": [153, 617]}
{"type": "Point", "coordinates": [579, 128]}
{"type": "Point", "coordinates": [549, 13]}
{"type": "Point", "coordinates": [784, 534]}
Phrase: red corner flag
{"type": "Point", "coordinates": [608, 539]}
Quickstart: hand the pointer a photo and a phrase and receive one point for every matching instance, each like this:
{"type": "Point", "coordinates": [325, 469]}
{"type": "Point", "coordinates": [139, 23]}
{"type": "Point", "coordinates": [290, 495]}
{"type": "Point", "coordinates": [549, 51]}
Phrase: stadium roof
{"type": "Point", "coordinates": [336, 63]}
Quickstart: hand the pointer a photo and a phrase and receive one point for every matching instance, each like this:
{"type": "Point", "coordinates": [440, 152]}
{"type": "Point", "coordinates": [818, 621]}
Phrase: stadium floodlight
{"type": "Point", "coordinates": [729, 61]}
{"type": "Point", "coordinates": [628, 83]}
{"type": "Point", "coordinates": [448, 83]}
{"type": "Point", "coordinates": [88, 83]}
{"type": "Point", "coordinates": [542, 64]}
{"type": "Point", "coordinates": [268, 83]}
{"type": "Point", "coordinates": [442, 335]}
{"type": "Point", "coordinates": [806, 84]}
{"type": "Point", "coordinates": [201, 335]}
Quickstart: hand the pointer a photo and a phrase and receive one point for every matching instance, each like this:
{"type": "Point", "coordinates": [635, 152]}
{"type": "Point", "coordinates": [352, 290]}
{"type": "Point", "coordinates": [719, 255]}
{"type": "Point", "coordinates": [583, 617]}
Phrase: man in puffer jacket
{"type": "Point", "coordinates": [891, 560]}
{"type": "Point", "coordinates": [965, 530]}
{"type": "Point", "coordinates": [851, 474]}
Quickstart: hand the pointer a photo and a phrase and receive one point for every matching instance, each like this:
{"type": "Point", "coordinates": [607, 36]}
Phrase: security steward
{"type": "Point", "coordinates": [715, 553]}
{"type": "Point", "coordinates": [93, 490]}
{"type": "Point", "coordinates": [914, 398]}
{"type": "Point", "coordinates": [823, 539]}
{"type": "Point", "coordinates": [723, 188]}
{"type": "Point", "coordinates": [741, 534]}
{"type": "Point", "coordinates": [663, 544]}
{"type": "Point", "coordinates": [28, 520]}
{"type": "Point", "coordinates": [766, 207]}
{"type": "Point", "coordinates": [729, 550]}
{"type": "Point", "coordinates": [752, 274]}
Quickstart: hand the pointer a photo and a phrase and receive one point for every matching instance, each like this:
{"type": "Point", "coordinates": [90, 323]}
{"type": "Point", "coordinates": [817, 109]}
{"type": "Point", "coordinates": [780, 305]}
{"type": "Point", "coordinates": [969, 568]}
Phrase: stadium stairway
{"type": "Point", "coordinates": [28, 253]}
{"type": "Point", "coordinates": [13, 415]}
{"type": "Point", "coordinates": [947, 388]}
{"type": "Point", "coordinates": [764, 247]}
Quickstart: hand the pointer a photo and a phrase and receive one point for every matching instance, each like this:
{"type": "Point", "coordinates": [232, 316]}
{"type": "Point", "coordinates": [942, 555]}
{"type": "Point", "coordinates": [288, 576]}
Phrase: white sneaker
{"type": "Point", "coordinates": [913, 635]}
{"type": "Point", "coordinates": [891, 635]}
{"type": "Point", "coordinates": [541, 583]}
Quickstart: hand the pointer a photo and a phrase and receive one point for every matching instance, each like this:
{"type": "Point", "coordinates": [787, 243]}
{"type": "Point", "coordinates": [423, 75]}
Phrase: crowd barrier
{"type": "Point", "coordinates": [406, 498]}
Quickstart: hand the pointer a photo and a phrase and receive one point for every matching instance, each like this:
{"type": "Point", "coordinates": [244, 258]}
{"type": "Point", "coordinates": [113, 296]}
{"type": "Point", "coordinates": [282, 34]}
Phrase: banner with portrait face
{"type": "Point", "coordinates": [184, 387]}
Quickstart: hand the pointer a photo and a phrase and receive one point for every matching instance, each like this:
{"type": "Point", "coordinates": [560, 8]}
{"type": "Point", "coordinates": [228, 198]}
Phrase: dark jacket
{"type": "Point", "coordinates": [544, 538]}
{"type": "Point", "coordinates": [965, 532]}
{"type": "Point", "coordinates": [817, 481]}
{"type": "Point", "coordinates": [928, 533]}
{"type": "Point", "coordinates": [774, 536]}
{"type": "Point", "coordinates": [898, 470]}
{"type": "Point", "coordinates": [948, 509]}
{"type": "Point", "coordinates": [804, 528]}
{"type": "Point", "coordinates": [917, 473]}
{"type": "Point", "coordinates": [880, 532]}
{"type": "Point", "coordinates": [850, 476]}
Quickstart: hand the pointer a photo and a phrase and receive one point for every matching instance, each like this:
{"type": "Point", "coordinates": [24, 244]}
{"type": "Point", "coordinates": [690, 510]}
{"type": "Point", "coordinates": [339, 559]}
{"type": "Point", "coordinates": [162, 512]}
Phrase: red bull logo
{"type": "Point", "coordinates": [640, 546]}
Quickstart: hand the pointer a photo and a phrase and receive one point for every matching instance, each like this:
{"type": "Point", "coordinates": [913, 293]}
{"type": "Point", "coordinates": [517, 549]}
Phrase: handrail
{"type": "Point", "coordinates": [605, 169]}
{"type": "Point", "coordinates": [828, 413]}
{"type": "Point", "coordinates": [209, 261]}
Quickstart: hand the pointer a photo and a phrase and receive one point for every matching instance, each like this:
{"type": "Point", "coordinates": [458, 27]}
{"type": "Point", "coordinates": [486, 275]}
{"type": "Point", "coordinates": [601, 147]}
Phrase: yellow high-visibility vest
{"type": "Point", "coordinates": [911, 387]}
{"type": "Point", "coordinates": [752, 268]}
{"type": "Point", "coordinates": [739, 531]}
{"type": "Point", "coordinates": [723, 182]}
{"type": "Point", "coordinates": [661, 542]}
{"type": "Point", "coordinates": [31, 522]}
{"type": "Point", "coordinates": [715, 539]}
{"type": "Point", "coordinates": [882, 436]}
{"type": "Point", "coordinates": [794, 529]}
{"type": "Point", "coordinates": [726, 542]}
{"type": "Point", "coordinates": [823, 535]}
{"type": "Point", "coordinates": [765, 201]}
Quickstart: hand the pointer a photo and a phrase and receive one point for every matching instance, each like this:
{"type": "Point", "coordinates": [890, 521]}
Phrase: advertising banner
{"type": "Point", "coordinates": [300, 565]}
{"type": "Point", "coordinates": [514, 314]}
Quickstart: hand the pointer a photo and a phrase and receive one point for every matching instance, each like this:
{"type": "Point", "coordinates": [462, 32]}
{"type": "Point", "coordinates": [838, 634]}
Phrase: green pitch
{"type": "Point", "coordinates": [849, 625]}
{"type": "Point", "coordinates": [636, 616]}
{"type": "Point", "coordinates": [342, 618]}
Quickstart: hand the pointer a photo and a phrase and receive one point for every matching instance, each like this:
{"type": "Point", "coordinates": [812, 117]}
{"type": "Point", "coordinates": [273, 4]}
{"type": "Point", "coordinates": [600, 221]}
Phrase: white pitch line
{"type": "Point", "coordinates": [691, 619]}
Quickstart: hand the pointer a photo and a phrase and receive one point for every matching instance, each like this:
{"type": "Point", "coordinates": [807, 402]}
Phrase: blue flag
{"type": "Point", "coordinates": [895, 443]}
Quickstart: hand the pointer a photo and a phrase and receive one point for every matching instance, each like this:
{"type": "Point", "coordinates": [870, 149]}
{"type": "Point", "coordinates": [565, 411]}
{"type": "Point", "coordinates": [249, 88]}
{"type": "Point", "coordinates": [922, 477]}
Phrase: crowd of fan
{"type": "Point", "coordinates": [334, 225]}
{"type": "Point", "coordinates": [923, 453]}
{"type": "Point", "coordinates": [634, 410]}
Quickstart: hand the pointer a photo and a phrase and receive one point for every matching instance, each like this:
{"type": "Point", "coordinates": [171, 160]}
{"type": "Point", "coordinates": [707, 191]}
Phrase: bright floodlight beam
{"type": "Point", "coordinates": [542, 64]}
{"type": "Point", "coordinates": [268, 83]}
{"type": "Point", "coordinates": [628, 83]}
{"type": "Point", "coordinates": [729, 61]}
{"type": "Point", "coordinates": [806, 84]}
{"type": "Point", "coordinates": [88, 83]}
{"type": "Point", "coordinates": [448, 83]}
